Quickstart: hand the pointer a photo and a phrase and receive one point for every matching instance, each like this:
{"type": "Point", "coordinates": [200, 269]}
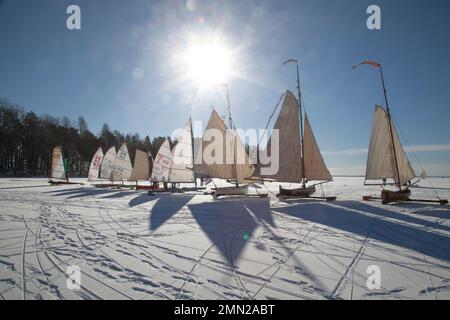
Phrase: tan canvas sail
{"type": "Point", "coordinates": [58, 170]}
{"type": "Point", "coordinates": [288, 126]}
{"type": "Point", "coordinates": [220, 168]}
{"type": "Point", "coordinates": [162, 163]}
{"type": "Point", "coordinates": [228, 157]}
{"type": "Point", "coordinates": [182, 166]}
{"type": "Point", "coordinates": [315, 168]}
{"type": "Point", "coordinates": [122, 164]}
{"type": "Point", "coordinates": [243, 167]}
{"type": "Point", "coordinates": [380, 159]}
{"type": "Point", "coordinates": [107, 163]}
{"type": "Point", "coordinates": [141, 167]}
{"type": "Point", "coordinates": [94, 168]}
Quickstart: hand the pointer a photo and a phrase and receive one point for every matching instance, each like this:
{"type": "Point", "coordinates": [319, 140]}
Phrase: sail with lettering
{"type": "Point", "coordinates": [58, 170]}
{"type": "Point", "coordinates": [181, 169]}
{"type": "Point", "coordinates": [141, 168]}
{"type": "Point", "coordinates": [122, 164]}
{"type": "Point", "coordinates": [162, 163]}
{"type": "Point", "coordinates": [381, 158]}
{"type": "Point", "coordinates": [94, 168]}
{"type": "Point", "coordinates": [108, 163]}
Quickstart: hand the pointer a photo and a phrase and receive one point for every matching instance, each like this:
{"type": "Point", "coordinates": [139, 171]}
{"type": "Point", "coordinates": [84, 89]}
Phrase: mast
{"type": "Point", "coordinates": [301, 129]}
{"type": "Point", "coordinates": [230, 119]}
{"type": "Point", "coordinates": [302, 152]}
{"type": "Point", "coordinates": [391, 129]}
{"type": "Point", "coordinates": [193, 154]}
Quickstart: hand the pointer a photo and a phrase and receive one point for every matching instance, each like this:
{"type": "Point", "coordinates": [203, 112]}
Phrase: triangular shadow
{"type": "Point", "coordinates": [392, 214]}
{"type": "Point", "coordinates": [140, 199]}
{"type": "Point", "coordinates": [228, 224]}
{"type": "Point", "coordinates": [165, 207]}
{"type": "Point", "coordinates": [413, 238]}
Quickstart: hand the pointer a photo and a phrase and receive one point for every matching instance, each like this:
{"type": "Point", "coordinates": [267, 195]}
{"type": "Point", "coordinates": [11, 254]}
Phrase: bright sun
{"type": "Point", "coordinates": [208, 64]}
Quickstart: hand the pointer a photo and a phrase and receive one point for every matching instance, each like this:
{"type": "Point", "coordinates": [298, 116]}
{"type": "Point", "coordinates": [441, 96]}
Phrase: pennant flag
{"type": "Point", "coordinates": [370, 63]}
{"type": "Point", "coordinates": [290, 61]}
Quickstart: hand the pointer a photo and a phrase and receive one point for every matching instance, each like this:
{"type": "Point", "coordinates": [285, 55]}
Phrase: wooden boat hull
{"type": "Point", "coordinates": [121, 186]}
{"type": "Point", "coordinates": [388, 196]}
{"type": "Point", "coordinates": [298, 192]}
{"type": "Point", "coordinates": [236, 191]}
{"type": "Point", "coordinates": [57, 183]}
{"type": "Point", "coordinates": [147, 188]}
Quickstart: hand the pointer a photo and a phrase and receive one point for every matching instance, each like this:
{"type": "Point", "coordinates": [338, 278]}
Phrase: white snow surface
{"type": "Point", "coordinates": [130, 245]}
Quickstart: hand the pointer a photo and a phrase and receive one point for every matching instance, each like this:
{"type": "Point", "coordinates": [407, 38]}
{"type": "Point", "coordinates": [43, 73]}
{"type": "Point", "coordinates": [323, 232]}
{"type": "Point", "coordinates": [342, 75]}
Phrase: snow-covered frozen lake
{"type": "Point", "coordinates": [129, 245]}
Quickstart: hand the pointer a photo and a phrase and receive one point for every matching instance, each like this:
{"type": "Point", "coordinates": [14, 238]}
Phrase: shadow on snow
{"type": "Point", "coordinates": [351, 216]}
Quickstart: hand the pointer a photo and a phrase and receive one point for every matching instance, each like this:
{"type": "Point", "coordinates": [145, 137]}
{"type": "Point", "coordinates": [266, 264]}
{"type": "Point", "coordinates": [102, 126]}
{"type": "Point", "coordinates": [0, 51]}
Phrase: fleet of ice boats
{"type": "Point", "coordinates": [300, 160]}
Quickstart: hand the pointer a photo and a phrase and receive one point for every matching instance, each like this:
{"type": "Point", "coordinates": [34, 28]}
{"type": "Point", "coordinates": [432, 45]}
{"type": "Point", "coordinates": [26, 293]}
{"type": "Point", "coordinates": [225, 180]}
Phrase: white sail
{"type": "Point", "coordinates": [162, 163]}
{"type": "Point", "coordinates": [315, 168]}
{"type": "Point", "coordinates": [122, 164]}
{"type": "Point", "coordinates": [107, 163]}
{"type": "Point", "coordinates": [288, 126]}
{"type": "Point", "coordinates": [94, 168]}
{"type": "Point", "coordinates": [141, 167]}
{"type": "Point", "coordinates": [58, 170]}
{"type": "Point", "coordinates": [380, 159]}
{"type": "Point", "coordinates": [182, 166]}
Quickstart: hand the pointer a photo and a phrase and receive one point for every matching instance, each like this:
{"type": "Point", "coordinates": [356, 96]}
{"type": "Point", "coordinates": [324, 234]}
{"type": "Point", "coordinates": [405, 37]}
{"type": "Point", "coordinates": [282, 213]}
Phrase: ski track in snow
{"type": "Point", "coordinates": [130, 245]}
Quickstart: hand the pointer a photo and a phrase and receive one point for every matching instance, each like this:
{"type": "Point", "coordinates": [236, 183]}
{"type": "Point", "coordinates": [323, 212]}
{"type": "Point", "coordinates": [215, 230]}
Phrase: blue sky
{"type": "Point", "coordinates": [120, 68]}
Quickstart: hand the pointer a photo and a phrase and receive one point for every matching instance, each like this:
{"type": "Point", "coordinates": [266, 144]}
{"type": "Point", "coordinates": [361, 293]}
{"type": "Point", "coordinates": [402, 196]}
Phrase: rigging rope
{"type": "Point", "coordinates": [415, 157]}
{"type": "Point", "coordinates": [271, 116]}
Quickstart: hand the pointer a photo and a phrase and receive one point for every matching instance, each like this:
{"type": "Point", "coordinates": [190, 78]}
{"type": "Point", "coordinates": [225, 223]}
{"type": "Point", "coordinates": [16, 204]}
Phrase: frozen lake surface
{"type": "Point", "coordinates": [129, 245]}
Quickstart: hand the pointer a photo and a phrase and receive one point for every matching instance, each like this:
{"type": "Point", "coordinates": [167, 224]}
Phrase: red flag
{"type": "Point", "coordinates": [370, 63]}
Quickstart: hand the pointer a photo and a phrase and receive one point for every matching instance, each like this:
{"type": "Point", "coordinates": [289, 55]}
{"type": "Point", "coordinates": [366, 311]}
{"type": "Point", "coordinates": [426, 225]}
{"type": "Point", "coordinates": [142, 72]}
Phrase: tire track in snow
{"type": "Point", "coordinates": [286, 258]}
{"type": "Point", "coordinates": [192, 269]}
{"type": "Point", "coordinates": [62, 262]}
{"type": "Point", "coordinates": [341, 283]}
{"type": "Point", "coordinates": [86, 274]}
{"type": "Point", "coordinates": [24, 283]}
{"type": "Point", "coordinates": [53, 289]}
{"type": "Point", "coordinates": [233, 268]}
{"type": "Point", "coordinates": [239, 285]}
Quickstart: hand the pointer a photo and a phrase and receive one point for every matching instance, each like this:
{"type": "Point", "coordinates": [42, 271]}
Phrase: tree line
{"type": "Point", "coordinates": [27, 141]}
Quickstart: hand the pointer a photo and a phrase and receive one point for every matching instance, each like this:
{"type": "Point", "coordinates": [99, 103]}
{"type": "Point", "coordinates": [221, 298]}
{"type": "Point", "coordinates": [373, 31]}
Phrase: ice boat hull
{"type": "Point", "coordinates": [298, 192]}
{"type": "Point", "coordinates": [388, 196]}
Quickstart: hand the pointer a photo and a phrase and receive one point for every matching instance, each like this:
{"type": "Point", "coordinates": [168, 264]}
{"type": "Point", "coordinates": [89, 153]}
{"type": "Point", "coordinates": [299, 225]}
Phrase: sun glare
{"type": "Point", "coordinates": [208, 64]}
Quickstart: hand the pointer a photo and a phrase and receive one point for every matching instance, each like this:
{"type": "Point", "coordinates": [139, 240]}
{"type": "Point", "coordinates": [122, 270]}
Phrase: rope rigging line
{"type": "Point", "coordinates": [271, 116]}
{"type": "Point", "coordinates": [416, 158]}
